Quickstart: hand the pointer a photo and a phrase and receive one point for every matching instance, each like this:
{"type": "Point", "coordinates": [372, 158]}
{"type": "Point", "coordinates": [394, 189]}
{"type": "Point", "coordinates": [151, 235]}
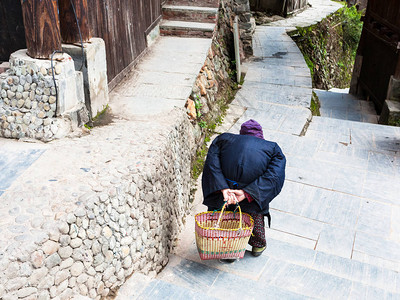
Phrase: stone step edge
{"type": "Point", "coordinates": [194, 3]}
{"type": "Point", "coordinates": [195, 26]}
{"type": "Point", "coordinates": [348, 96]}
{"type": "Point", "coordinates": [348, 261]}
{"type": "Point", "coordinates": [198, 9]}
{"type": "Point", "coordinates": [358, 125]}
{"type": "Point", "coordinates": [176, 257]}
{"type": "Point", "coordinates": [372, 283]}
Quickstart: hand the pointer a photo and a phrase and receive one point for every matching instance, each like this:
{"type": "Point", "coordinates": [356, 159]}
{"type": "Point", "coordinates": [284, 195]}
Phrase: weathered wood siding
{"type": "Point", "coordinates": [280, 7]}
{"type": "Point", "coordinates": [12, 32]}
{"type": "Point", "coordinates": [294, 5]}
{"type": "Point", "coordinates": [379, 47]}
{"type": "Point", "coordinates": [123, 25]}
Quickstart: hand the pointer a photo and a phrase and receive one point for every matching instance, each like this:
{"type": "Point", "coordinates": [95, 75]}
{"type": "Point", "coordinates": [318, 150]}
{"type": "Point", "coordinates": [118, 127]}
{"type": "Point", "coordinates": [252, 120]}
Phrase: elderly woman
{"type": "Point", "coordinates": [247, 169]}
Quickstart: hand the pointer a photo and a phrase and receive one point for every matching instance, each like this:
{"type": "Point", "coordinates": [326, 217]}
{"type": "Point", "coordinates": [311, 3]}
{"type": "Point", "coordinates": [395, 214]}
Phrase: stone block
{"type": "Point", "coordinates": [94, 72]}
{"type": "Point", "coordinates": [390, 114]}
{"type": "Point", "coordinates": [312, 283]}
{"type": "Point", "coordinates": [4, 66]}
{"type": "Point", "coordinates": [152, 36]}
{"type": "Point", "coordinates": [336, 241]}
{"type": "Point", "coordinates": [394, 89]}
{"type": "Point", "coordinates": [65, 76]}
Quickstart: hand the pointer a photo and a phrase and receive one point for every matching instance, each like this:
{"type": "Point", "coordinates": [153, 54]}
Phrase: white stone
{"type": "Point", "coordinates": [77, 268]}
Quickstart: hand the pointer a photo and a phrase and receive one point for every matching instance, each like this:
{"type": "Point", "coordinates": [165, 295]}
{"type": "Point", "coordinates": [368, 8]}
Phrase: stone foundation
{"type": "Point", "coordinates": [31, 101]}
{"type": "Point", "coordinates": [119, 211]}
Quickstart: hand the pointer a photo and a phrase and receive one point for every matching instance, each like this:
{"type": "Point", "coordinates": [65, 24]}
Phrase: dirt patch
{"type": "Point", "coordinates": [265, 17]}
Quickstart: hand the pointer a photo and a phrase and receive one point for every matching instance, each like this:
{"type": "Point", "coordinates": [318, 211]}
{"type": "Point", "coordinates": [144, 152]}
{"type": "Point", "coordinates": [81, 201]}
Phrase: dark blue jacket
{"type": "Point", "coordinates": [255, 165]}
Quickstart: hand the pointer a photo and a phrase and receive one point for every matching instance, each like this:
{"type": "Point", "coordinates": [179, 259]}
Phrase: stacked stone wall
{"type": "Point", "coordinates": [247, 25]}
{"type": "Point", "coordinates": [213, 85]}
{"type": "Point", "coordinates": [29, 101]}
{"type": "Point", "coordinates": [123, 217]}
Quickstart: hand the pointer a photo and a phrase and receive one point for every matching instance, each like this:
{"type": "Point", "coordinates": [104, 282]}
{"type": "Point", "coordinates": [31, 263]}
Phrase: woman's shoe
{"type": "Point", "coordinates": [256, 251]}
{"type": "Point", "coordinates": [227, 260]}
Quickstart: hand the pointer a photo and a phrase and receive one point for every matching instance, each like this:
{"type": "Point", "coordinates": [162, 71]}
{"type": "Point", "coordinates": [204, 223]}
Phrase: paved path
{"type": "Point", "coordinates": [339, 104]}
{"type": "Point", "coordinates": [335, 227]}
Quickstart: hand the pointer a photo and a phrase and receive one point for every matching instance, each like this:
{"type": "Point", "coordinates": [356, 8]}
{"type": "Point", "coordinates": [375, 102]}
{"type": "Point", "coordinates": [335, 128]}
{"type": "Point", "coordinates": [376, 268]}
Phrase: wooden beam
{"type": "Point", "coordinates": [42, 30]}
{"type": "Point", "coordinates": [397, 72]}
{"type": "Point", "coordinates": [68, 24]}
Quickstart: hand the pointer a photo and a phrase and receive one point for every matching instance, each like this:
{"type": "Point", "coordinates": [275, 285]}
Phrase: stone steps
{"type": "Point", "coordinates": [358, 135]}
{"type": "Point", "coordinates": [186, 29]}
{"type": "Point", "coordinates": [339, 105]}
{"type": "Point", "coordinates": [190, 13]}
{"type": "Point", "coordinates": [189, 18]}
{"type": "Point", "coordinates": [199, 3]}
{"type": "Point", "coordinates": [284, 271]}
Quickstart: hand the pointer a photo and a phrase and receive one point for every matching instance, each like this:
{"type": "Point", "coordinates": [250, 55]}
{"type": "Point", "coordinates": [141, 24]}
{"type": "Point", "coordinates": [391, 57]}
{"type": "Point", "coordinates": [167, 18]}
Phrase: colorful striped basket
{"type": "Point", "coordinates": [222, 234]}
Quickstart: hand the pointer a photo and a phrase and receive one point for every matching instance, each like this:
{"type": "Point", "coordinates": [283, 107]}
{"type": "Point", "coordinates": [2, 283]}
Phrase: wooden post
{"type": "Point", "coordinates": [42, 30]}
{"type": "Point", "coordinates": [397, 72]}
{"type": "Point", "coordinates": [69, 27]}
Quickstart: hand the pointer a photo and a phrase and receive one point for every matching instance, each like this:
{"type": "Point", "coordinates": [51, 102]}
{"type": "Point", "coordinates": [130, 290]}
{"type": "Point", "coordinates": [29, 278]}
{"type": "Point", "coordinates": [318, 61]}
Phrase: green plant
{"type": "Point", "coordinates": [352, 27]}
{"type": "Point", "coordinates": [203, 124]}
{"type": "Point", "coordinates": [198, 163]}
{"type": "Point", "coordinates": [329, 47]}
{"type": "Point", "coordinates": [198, 105]}
{"type": "Point", "coordinates": [315, 105]}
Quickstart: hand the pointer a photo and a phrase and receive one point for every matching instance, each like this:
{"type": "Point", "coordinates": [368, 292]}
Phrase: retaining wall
{"type": "Point", "coordinates": [87, 224]}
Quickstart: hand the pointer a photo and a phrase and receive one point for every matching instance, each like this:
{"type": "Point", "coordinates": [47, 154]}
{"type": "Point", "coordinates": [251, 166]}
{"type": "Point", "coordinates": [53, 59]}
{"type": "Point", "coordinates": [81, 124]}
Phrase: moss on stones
{"type": "Point", "coordinates": [329, 47]}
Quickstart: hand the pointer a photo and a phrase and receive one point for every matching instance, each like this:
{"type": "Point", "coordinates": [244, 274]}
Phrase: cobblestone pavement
{"type": "Point", "coordinates": [335, 230]}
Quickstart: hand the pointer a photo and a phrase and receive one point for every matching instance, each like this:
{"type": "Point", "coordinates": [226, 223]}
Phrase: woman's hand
{"type": "Point", "coordinates": [240, 196]}
{"type": "Point", "coordinates": [233, 196]}
{"type": "Point", "coordinates": [229, 196]}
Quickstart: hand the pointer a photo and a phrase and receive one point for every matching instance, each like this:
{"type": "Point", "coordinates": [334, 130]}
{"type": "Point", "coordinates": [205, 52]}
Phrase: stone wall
{"type": "Point", "coordinates": [247, 24]}
{"type": "Point", "coordinates": [121, 215]}
{"type": "Point", "coordinates": [214, 84]}
{"type": "Point", "coordinates": [28, 97]}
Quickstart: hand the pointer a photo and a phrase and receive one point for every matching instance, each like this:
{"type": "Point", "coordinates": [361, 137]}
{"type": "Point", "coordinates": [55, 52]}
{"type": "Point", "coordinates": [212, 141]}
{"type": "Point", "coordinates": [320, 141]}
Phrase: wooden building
{"type": "Point", "coordinates": [378, 54]}
{"type": "Point", "coordinates": [278, 7]}
{"type": "Point", "coordinates": [122, 24]}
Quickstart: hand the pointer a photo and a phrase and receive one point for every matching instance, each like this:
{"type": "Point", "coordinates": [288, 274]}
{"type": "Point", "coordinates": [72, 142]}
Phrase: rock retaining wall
{"type": "Point", "coordinates": [119, 214]}
{"type": "Point", "coordinates": [213, 85]}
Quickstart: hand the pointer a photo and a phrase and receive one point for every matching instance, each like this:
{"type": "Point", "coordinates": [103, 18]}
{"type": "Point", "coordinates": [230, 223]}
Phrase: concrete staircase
{"type": "Point", "coordinates": [338, 104]}
{"type": "Point", "coordinates": [285, 271]}
{"type": "Point", "coordinates": [189, 18]}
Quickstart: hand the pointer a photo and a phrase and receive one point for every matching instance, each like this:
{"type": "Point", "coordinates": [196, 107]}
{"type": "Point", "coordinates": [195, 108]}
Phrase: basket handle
{"type": "Point", "coordinates": [222, 212]}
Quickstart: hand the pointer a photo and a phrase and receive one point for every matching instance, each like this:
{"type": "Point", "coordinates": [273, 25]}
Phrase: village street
{"type": "Point", "coordinates": [335, 232]}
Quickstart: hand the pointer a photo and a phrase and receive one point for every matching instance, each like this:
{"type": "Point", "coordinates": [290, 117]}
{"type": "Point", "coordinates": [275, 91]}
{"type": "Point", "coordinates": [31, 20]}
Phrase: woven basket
{"type": "Point", "coordinates": [222, 234]}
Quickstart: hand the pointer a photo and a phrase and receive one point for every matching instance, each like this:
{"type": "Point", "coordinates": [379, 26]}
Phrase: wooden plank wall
{"type": "Point", "coordinates": [295, 5]}
{"type": "Point", "coordinates": [12, 31]}
{"type": "Point", "coordinates": [378, 47]}
{"type": "Point", "coordinates": [122, 24]}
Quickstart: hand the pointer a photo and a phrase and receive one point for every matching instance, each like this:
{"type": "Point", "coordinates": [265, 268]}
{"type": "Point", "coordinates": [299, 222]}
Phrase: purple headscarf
{"type": "Point", "coordinates": [252, 128]}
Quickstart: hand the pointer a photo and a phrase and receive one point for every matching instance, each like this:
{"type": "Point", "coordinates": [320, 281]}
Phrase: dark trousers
{"type": "Point", "coordinates": [257, 239]}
